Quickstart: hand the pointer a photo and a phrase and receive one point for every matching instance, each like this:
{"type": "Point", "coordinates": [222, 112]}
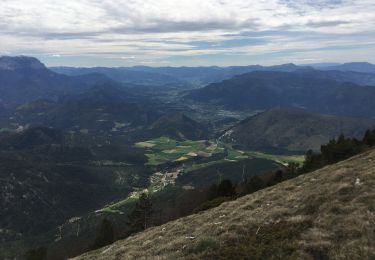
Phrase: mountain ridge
{"type": "Point", "coordinates": [365, 67]}
{"type": "Point", "coordinates": [265, 89]}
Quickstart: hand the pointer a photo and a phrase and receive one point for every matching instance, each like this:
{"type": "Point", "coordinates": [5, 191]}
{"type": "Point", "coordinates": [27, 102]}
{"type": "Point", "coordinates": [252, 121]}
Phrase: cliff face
{"type": "Point", "coordinates": [327, 214]}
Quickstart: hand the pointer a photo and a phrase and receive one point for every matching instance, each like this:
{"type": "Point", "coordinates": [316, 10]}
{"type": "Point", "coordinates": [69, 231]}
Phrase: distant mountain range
{"type": "Point", "coordinates": [24, 79]}
{"type": "Point", "coordinates": [186, 77]}
{"type": "Point", "coordinates": [180, 76]}
{"type": "Point", "coordinates": [282, 130]}
{"type": "Point", "coordinates": [306, 89]}
{"type": "Point", "coordinates": [364, 67]}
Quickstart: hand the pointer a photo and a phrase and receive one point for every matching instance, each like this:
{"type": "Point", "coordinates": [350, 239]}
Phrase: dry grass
{"type": "Point", "coordinates": [327, 214]}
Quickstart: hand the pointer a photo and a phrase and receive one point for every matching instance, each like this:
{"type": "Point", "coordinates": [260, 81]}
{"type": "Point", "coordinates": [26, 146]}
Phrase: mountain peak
{"type": "Point", "coordinates": [287, 65]}
{"type": "Point", "coordinates": [20, 63]}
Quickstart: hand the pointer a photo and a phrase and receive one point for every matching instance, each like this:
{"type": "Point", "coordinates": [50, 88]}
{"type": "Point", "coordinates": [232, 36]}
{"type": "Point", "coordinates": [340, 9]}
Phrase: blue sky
{"type": "Point", "coordinates": [188, 32]}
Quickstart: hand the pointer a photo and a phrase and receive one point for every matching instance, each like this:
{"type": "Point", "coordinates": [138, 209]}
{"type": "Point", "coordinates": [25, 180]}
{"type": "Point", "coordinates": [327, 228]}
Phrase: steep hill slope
{"type": "Point", "coordinates": [105, 114]}
{"type": "Point", "coordinates": [44, 182]}
{"type": "Point", "coordinates": [306, 89]}
{"type": "Point", "coordinates": [359, 78]}
{"type": "Point", "coordinates": [104, 111]}
{"type": "Point", "coordinates": [327, 214]}
{"type": "Point", "coordinates": [296, 130]}
{"type": "Point", "coordinates": [178, 125]}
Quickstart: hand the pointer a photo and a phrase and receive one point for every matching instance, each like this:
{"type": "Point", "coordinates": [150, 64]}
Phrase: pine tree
{"type": "Point", "coordinates": [140, 217]}
{"type": "Point", "coordinates": [226, 189]}
{"type": "Point", "coordinates": [36, 254]}
{"type": "Point", "coordinates": [369, 138]}
{"type": "Point", "coordinates": [212, 192]}
{"type": "Point", "coordinates": [253, 184]}
{"type": "Point", "coordinates": [105, 234]}
{"type": "Point", "coordinates": [279, 176]}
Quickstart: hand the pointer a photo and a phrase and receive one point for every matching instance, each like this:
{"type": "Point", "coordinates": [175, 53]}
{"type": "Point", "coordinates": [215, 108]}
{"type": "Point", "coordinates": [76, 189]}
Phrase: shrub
{"type": "Point", "coordinates": [226, 189]}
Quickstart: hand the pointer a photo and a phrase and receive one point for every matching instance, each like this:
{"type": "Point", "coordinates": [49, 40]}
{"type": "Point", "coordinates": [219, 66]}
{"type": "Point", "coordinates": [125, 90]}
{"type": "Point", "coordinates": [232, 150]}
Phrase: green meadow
{"type": "Point", "coordinates": [164, 149]}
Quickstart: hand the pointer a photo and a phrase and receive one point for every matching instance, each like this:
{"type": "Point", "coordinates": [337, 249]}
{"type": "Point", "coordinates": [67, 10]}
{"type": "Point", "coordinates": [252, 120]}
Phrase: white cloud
{"type": "Point", "coordinates": [161, 30]}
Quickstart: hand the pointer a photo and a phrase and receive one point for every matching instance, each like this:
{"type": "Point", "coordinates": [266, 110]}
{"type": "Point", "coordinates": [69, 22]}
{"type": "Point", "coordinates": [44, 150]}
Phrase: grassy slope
{"type": "Point", "coordinates": [318, 215]}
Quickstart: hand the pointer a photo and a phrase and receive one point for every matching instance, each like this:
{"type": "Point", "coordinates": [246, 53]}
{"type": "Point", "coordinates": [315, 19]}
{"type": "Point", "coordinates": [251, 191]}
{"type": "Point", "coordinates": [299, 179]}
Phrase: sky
{"type": "Point", "coordinates": [87, 33]}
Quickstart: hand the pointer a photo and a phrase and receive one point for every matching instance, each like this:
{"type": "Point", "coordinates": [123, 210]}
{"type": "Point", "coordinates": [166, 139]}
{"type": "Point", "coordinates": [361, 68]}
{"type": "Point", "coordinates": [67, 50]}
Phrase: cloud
{"type": "Point", "coordinates": [326, 23]}
{"type": "Point", "coordinates": [84, 31]}
{"type": "Point", "coordinates": [160, 26]}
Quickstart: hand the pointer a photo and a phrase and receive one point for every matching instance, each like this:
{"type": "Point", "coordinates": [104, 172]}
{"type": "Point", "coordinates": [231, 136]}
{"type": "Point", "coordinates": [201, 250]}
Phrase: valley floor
{"type": "Point", "coordinates": [164, 150]}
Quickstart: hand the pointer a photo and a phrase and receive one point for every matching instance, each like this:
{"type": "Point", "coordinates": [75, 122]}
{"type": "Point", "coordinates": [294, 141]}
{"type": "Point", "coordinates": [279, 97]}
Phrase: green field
{"type": "Point", "coordinates": [115, 208]}
{"type": "Point", "coordinates": [236, 155]}
{"type": "Point", "coordinates": [284, 159]}
{"type": "Point", "coordinates": [164, 149]}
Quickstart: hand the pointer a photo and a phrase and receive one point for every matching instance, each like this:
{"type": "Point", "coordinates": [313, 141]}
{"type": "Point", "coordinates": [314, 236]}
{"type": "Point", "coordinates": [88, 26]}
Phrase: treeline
{"type": "Point", "coordinates": [337, 150]}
